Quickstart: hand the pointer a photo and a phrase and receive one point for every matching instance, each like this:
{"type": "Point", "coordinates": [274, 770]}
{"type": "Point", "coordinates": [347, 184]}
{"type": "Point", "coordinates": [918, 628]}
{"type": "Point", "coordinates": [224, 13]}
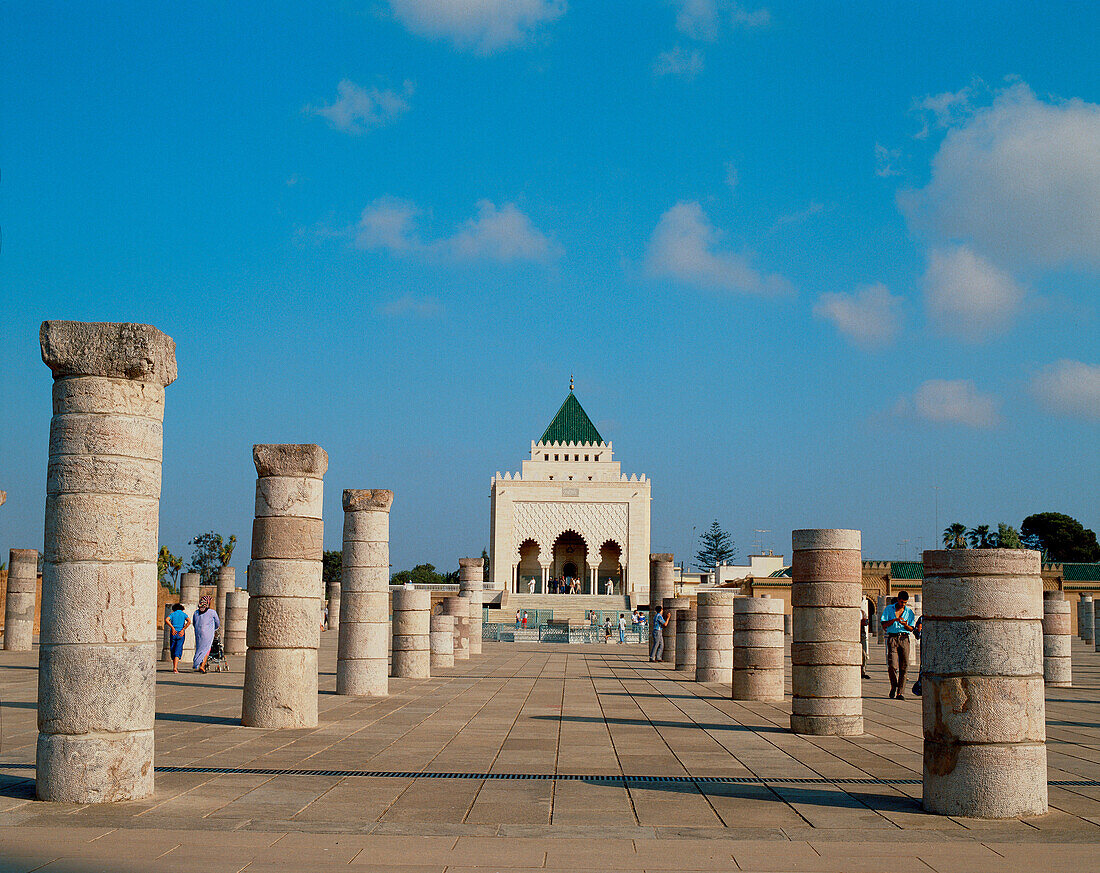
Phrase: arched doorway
{"type": "Point", "coordinates": [529, 569]}
{"type": "Point", "coordinates": [609, 574]}
{"type": "Point", "coordinates": [570, 561]}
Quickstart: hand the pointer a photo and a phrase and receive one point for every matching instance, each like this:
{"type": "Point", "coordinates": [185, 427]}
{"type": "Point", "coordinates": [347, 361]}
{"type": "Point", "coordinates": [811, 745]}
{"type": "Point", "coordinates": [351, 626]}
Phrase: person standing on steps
{"type": "Point", "coordinates": [897, 623]}
{"type": "Point", "coordinates": [622, 628]}
{"type": "Point", "coordinates": [657, 647]}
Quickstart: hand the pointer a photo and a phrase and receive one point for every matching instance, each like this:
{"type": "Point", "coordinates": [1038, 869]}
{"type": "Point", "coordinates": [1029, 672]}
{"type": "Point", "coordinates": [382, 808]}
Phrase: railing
{"type": "Point", "coordinates": [498, 632]}
{"type": "Point", "coordinates": [429, 586]}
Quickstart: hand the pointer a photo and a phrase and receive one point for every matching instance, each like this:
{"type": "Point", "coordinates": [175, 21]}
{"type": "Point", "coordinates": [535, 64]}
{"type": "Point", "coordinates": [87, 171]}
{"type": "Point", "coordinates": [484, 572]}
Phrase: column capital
{"type": "Point", "coordinates": [358, 499]}
{"type": "Point", "coordinates": [121, 350]}
{"type": "Point", "coordinates": [290, 460]}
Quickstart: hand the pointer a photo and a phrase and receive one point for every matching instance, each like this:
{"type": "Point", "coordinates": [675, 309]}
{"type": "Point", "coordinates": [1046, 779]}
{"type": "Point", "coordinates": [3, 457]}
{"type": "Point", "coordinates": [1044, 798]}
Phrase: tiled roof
{"type": "Point", "coordinates": [906, 570]}
{"type": "Point", "coordinates": [1081, 572]}
{"type": "Point", "coordinates": [571, 425]}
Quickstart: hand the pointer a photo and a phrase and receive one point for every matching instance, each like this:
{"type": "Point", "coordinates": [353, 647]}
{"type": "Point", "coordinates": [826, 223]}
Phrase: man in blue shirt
{"type": "Point", "coordinates": [657, 635]}
{"type": "Point", "coordinates": [897, 623]}
{"type": "Point", "coordinates": [177, 623]}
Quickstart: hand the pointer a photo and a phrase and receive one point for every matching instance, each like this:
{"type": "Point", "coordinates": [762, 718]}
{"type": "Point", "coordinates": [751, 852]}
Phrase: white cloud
{"type": "Point", "coordinates": [944, 110]}
{"type": "Point", "coordinates": [685, 247]}
{"type": "Point", "coordinates": [967, 296]}
{"type": "Point", "coordinates": [951, 401]}
{"type": "Point", "coordinates": [1018, 181]}
{"type": "Point", "coordinates": [503, 234]}
{"type": "Point", "coordinates": [679, 62]}
{"type": "Point", "coordinates": [702, 19]}
{"type": "Point", "coordinates": [481, 25]}
{"type": "Point", "coordinates": [869, 317]}
{"type": "Point", "coordinates": [733, 178]}
{"type": "Point", "coordinates": [414, 306]}
{"type": "Point", "coordinates": [357, 109]}
{"type": "Point", "coordinates": [1069, 388]}
{"type": "Point", "coordinates": [802, 215]}
{"type": "Point", "coordinates": [886, 161]}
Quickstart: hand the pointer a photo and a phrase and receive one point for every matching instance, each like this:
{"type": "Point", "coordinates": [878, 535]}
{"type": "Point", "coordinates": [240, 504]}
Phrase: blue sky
{"type": "Point", "coordinates": [808, 262]}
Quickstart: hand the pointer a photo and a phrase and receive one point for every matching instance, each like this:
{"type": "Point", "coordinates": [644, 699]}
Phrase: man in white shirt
{"type": "Point", "coordinates": [622, 628]}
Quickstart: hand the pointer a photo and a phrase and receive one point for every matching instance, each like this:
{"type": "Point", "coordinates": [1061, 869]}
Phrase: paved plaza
{"type": "Point", "coordinates": [547, 757]}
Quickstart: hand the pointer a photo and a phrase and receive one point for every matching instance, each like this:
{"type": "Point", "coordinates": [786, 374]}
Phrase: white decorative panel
{"type": "Point", "coordinates": [545, 522]}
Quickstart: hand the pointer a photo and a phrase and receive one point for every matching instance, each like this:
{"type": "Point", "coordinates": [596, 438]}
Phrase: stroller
{"type": "Point", "coordinates": [217, 662]}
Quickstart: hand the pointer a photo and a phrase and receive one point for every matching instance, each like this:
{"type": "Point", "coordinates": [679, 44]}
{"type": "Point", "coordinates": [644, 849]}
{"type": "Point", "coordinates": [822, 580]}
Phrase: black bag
{"type": "Point", "coordinates": [916, 688]}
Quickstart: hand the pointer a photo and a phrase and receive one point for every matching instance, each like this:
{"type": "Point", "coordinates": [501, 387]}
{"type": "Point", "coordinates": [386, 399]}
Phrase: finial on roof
{"type": "Point", "coordinates": [570, 382]}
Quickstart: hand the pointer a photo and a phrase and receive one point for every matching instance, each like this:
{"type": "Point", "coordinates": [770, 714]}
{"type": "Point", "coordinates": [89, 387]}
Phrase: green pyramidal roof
{"type": "Point", "coordinates": [571, 425]}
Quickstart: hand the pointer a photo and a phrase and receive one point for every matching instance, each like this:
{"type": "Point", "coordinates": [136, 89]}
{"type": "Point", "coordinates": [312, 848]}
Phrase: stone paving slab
{"type": "Point", "coordinates": [603, 713]}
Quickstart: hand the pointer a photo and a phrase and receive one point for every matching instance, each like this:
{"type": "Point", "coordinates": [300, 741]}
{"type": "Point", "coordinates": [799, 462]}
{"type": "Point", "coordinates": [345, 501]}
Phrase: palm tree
{"type": "Point", "coordinates": [954, 536]}
{"type": "Point", "coordinates": [980, 537]}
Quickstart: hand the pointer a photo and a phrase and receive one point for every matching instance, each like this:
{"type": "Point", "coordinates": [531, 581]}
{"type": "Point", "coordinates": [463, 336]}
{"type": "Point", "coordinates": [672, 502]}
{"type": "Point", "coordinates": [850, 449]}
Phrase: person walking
{"type": "Point", "coordinates": [657, 632]}
{"type": "Point", "coordinates": [205, 621]}
{"type": "Point", "coordinates": [177, 623]}
{"type": "Point", "coordinates": [519, 616]}
{"type": "Point", "coordinates": [622, 628]}
{"type": "Point", "coordinates": [897, 623]}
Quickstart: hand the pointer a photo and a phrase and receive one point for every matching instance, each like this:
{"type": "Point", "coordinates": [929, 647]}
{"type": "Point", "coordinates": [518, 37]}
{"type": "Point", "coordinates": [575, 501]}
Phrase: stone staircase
{"type": "Point", "coordinates": [571, 606]}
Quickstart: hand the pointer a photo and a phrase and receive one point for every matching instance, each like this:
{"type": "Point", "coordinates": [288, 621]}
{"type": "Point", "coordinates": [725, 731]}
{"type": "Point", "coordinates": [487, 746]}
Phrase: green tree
{"type": "Point", "coordinates": [1007, 537]}
{"type": "Point", "coordinates": [1061, 537]}
{"type": "Point", "coordinates": [715, 547]}
{"type": "Point", "coordinates": [954, 536]}
{"type": "Point", "coordinates": [169, 565]}
{"type": "Point", "coordinates": [980, 537]}
{"type": "Point", "coordinates": [421, 574]}
{"type": "Point", "coordinates": [207, 556]}
{"type": "Point", "coordinates": [332, 564]}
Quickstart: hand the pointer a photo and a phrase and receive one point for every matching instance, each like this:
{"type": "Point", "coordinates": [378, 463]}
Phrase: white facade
{"type": "Point", "coordinates": [570, 513]}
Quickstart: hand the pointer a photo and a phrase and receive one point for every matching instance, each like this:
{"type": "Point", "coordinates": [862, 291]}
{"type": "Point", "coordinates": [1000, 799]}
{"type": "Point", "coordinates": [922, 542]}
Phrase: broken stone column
{"type": "Point", "coordinates": [880, 606]}
{"type": "Point", "coordinates": [471, 584]}
{"type": "Point", "coordinates": [826, 589]}
{"type": "Point", "coordinates": [687, 621]}
{"type": "Point", "coordinates": [1088, 621]}
{"type": "Point", "coordinates": [411, 633]}
{"type": "Point", "coordinates": [96, 666]}
{"type": "Point", "coordinates": [1057, 660]}
{"type": "Point", "coordinates": [984, 711]}
{"type": "Point", "coordinates": [19, 609]}
{"type": "Point", "coordinates": [662, 584]}
{"type": "Point", "coordinates": [714, 636]}
{"type": "Point", "coordinates": [758, 653]}
{"type": "Point", "coordinates": [332, 601]}
{"type": "Point", "coordinates": [441, 642]}
{"type": "Point", "coordinates": [189, 598]}
{"type": "Point", "coordinates": [226, 581]}
{"type": "Point", "coordinates": [788, 624]}
{"type": "Point", "coordinates": [459, 609]}
{"type": "Point", "coordinates": [166, 638]}
{"type": "Point", "coordinates": [672, 606]}
{"type": "Point", "coordinates": [284, 588]}
{"type": "Point", "coordinates": [236, 622]}
{"type": "Point", "coordinates": [362, 658]}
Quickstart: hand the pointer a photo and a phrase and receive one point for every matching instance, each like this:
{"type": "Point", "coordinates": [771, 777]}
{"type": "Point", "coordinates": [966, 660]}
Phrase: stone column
{"type": "Point", "coordinates": [362, 659]}
{"type": "Point", "coordinates": [441, 642]}
{"type": "Point", "coordinates": [236, 622]}
{"type": "Point", "coordinates": [411, 633]}
{"type": "Point", "coordinates": [471, 583]}
{"type": "Point", "coordinates": [166, 639]}
{"type": "Point", "coordinates": [96, 666]}
{"type": "Point", "coordinates": [189, 598]}
{"type": "Point", "coordinates": [284, 588]}
{"type": "Point", "coordinates": [459, 609]}
{"type": "Point", "coordinates": [788, 624]}
{"type": "Point", "coordinates": [714, 636]}
{"type": "Point", "coordinates": [758, 653]}
{"type": "Point", "coordinates": [672, 606]}
{"type": "Point", "coordinates": [662, 584]}
{"type": "Point", "coordinates": [1088, 626]}
{"type": "Point", "coordinates": [19, 609]}
{"type": "Point", "coordinates": [880, 607]}
{"type": "Point", "coordinates": [226, 582]}
{"type": "Point", "coordinates": [826, 588]}
{"type": "Point", "coordinates": [687, 621]}
{"type": "Point", "coordinates": [1057, 661]}
{"type": "Point", "coordinates": [983, 704]}
{"type": "Point", "coordinates": [332, 600]}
